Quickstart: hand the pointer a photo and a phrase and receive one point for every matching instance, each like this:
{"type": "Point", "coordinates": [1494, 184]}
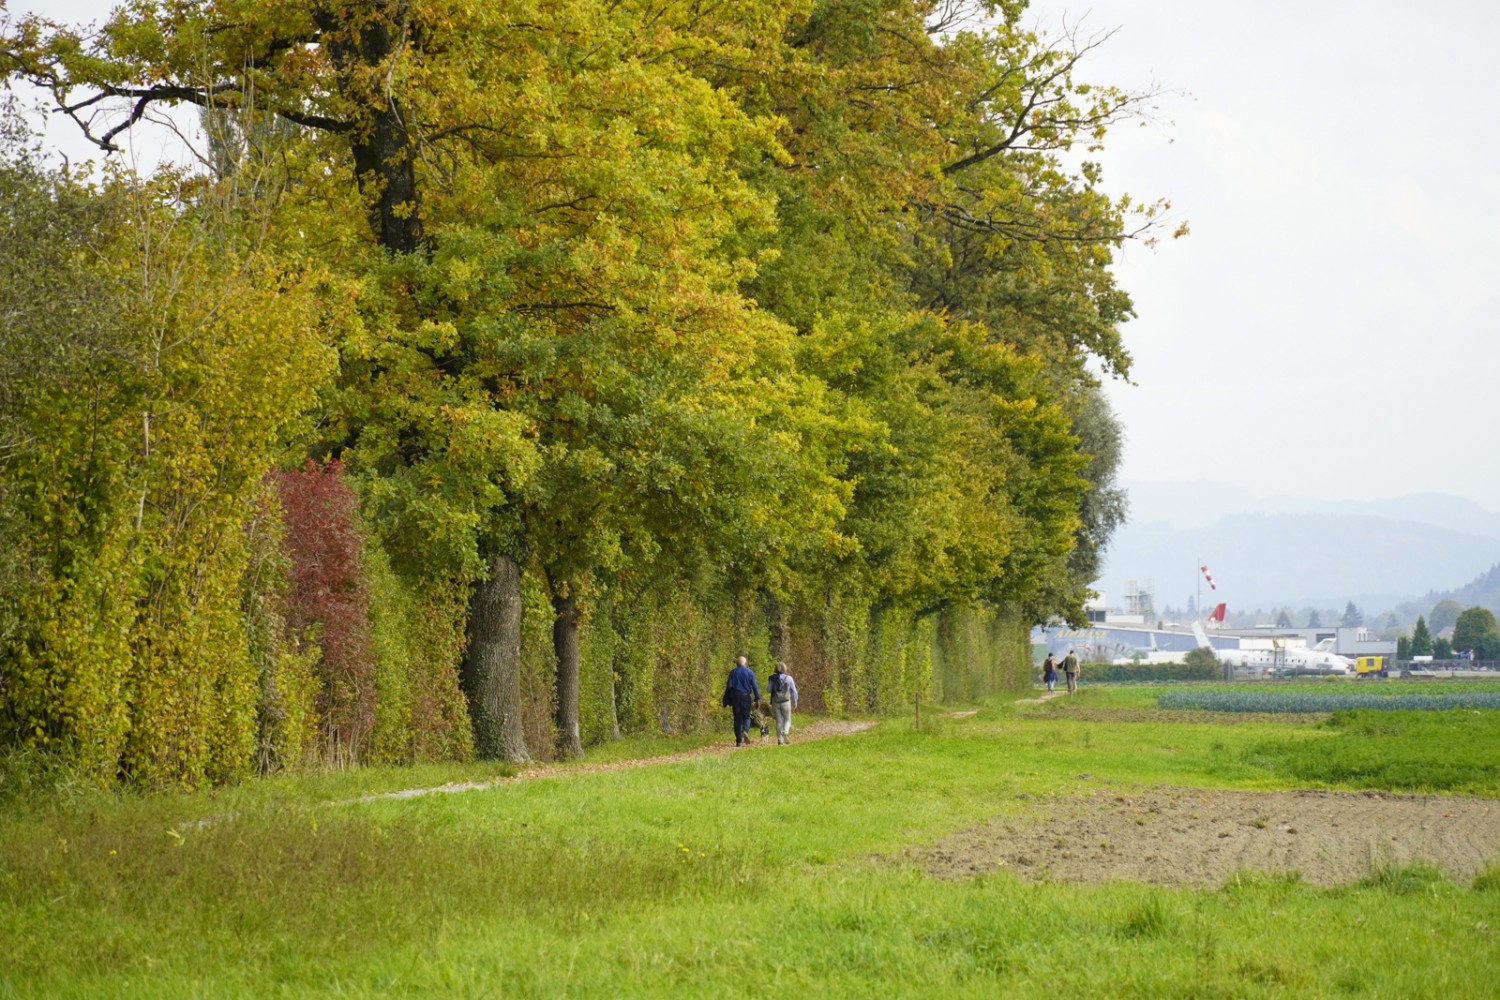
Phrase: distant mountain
{"type": "Point", "coordinates": [1200, 504]}
{"type": "Point", "coordinates": [1483, 591]}
{"type": "Point", "coordinates": [1271, 552]}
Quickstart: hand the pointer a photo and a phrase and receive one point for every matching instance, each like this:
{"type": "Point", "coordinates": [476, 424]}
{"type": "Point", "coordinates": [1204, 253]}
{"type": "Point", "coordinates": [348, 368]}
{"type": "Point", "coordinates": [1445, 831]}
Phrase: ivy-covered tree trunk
{"type": "Point", "coordinates": [614, 703]}
{"type": "Point", "coordinates": [775, 624]}
{"type": "Point", "coordinates": [565, 646]}
{"type": "Point", "coordinates": [492, 666]}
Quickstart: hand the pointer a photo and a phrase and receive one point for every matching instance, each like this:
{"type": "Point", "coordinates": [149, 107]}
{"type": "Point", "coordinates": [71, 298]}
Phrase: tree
{"type": "Point", "coordinates": [1104, 505]}
{"type": "Point", "coordinates": [1201, 657]}
{"type": "Point", "coordinates": [814, 291]}
{"type": "Point", "coordinates": [1421, 638]}
{"type": "Point", "coordinates": [1284, 618]}
{"type": "Point", "coordinates": [1353, 617]}
{"type": "Point", "coordinates": [1444, 614]}
{"type": "Point", "coordinates": [1403, 647]}
{"type": "Point", "coordinates": [1313, 621]}
{"type": "Point", "coordinates": [1442, 649]}
{"type": "Point", "coordinates": [168, 357]}
{"type": "Point", "coordinates": [1470, 628]}
{"type": "Point", "coordinates": [540, 221]}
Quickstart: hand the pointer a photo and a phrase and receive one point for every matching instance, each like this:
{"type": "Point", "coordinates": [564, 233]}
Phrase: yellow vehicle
{"type": "Point", "coordinates": [1370, 666]}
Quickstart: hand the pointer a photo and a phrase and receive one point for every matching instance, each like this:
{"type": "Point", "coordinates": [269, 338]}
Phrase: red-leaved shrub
{"type": "Point", "coordinates": [331, 597]}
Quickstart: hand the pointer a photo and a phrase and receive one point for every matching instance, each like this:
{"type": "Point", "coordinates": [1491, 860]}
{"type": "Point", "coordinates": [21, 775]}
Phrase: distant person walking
{"type": "Point", "coordinates": [1049, 673]}
{"type": "Point", "coordinates": [782, 691]}
{"type": "Point", "coordinates": [1070, 667]}
{"type": "Point", "coordinates": [741, 694]}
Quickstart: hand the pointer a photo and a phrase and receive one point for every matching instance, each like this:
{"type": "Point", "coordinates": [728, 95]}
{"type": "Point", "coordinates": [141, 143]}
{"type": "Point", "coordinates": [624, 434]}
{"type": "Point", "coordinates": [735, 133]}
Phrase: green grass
{"type": "Point", "coordinates": [749, 873]}
{"type": "Point", "coordinates": [1421, 751]}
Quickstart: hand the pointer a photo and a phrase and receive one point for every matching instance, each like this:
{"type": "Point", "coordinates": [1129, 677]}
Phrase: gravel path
{"type": "Point", "coordinates": [817, 730]}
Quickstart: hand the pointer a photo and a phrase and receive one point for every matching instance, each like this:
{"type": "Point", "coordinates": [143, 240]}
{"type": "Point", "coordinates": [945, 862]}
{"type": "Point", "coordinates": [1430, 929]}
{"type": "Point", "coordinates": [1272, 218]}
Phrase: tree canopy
{"type": "Point", "coordinates": [1471, 628]}
{"type": "Point", "coordinates": [803, 299]}
{"type": "Point", "coordinates": [1421, 638]}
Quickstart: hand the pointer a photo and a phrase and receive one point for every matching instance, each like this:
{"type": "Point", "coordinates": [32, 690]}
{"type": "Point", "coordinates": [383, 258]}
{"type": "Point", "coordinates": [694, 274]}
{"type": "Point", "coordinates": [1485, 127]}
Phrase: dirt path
{"type": "Point", "coordinates": [1042, 697]}
{"type": "Point", "coordinates": [1181, 836]}
{"type": "Point", "coordinates": [817, 730]}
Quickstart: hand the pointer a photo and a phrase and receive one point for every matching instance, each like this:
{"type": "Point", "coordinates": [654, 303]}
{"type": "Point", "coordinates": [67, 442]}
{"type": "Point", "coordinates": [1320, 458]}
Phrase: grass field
{"type": "Point", "coordinates": [752, 873]}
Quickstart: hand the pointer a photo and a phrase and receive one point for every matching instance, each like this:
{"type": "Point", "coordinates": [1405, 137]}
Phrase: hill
{"type": "Point", "coordinates": [1277, 551]}
{"type": "Point", "coordinates": [1483, 590]}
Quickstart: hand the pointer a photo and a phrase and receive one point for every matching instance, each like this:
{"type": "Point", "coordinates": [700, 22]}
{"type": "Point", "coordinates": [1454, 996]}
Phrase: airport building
{"type": "Point", "coordinates": [1121, 635]}
{"type": "Point", "coordinates": [1347, 640]}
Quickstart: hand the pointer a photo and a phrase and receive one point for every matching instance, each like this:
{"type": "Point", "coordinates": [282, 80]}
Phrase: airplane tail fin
{"type": "Point", "coordinates": [1202, 636]}
{"type": "Point", "coordinates": [1217, 615]}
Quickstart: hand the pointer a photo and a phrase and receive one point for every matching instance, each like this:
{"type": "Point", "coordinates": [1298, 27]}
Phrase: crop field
{"type": "Point", "coordinates": [1323, 700]}
{"type": "Point", "coordinates": [1083, 847]}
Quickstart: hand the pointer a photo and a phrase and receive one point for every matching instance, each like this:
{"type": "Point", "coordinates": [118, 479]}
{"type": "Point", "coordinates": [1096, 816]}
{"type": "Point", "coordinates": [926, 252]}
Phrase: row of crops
{"type": "Point", "coordinates": [1323, 701]}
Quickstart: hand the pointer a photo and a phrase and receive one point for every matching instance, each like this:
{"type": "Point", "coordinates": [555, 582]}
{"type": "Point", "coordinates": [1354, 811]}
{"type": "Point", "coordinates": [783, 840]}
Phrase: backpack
{"type": "Point", "coordinates": [777, 685]}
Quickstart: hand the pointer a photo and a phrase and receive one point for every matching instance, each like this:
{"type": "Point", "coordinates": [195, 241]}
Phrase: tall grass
{"type": "Point", "coordinates": [752, 873]}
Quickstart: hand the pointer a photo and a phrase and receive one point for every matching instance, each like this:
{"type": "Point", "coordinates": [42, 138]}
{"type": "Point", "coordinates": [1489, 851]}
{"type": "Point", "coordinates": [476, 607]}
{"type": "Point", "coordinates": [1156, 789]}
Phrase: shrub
{"type": "Point", "coordinates": [1151, 673]}
{"type": "Point", "coordinates": [417, 639]}
{"type": "Point", "coordinates": [330, 598]}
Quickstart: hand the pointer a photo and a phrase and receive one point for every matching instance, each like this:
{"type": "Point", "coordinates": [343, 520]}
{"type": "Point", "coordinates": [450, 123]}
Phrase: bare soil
{"type": "Point", "coordinates": [1201, 837]}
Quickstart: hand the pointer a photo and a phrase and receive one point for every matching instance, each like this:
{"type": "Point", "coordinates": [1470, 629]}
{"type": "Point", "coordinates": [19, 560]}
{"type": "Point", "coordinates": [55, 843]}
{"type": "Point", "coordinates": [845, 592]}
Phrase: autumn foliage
{"type": "Point", "coordinates": [329, 602]}
{"type": "Point", "coordinates": [764, 328]}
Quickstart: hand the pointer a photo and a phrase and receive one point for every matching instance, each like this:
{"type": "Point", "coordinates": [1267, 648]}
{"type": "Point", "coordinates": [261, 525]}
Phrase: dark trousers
{"type": "Point", "coordinates": [740, 702]}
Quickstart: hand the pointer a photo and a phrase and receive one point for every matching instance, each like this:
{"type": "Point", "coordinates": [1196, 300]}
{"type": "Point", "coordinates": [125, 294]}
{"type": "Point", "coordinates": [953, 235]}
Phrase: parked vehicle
{"type": "Point", "coordinates": [1370, 666]}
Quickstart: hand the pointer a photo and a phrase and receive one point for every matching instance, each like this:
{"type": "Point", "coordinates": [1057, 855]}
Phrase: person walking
{"type": "Point", "coordinates": [1049, 673]}
{"type": "Point", "coordinates": [1070, 667]}
{"type": "Point", "coordinates": [741, 694]}
{"type": "Point", "coordinates": [782, 691]}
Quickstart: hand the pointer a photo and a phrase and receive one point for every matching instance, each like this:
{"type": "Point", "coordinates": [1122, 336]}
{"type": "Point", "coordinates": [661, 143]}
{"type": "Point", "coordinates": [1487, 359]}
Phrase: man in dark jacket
{"type": "Point", "coordinates": [741, 692]}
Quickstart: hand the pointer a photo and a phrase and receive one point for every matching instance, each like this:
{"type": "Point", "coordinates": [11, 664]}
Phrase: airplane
{"type": "Point", "coordinates": [1152, 655]}
{"type": "Point", "coordinates": [1286, 660]}
{"type": "Point", "coordinates": [1155, 655]}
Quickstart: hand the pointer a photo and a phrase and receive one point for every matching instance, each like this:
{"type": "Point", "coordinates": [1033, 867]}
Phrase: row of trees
{"type": "Point", "coordinates": [630, 333]}
{"type": "Point", "coordinates": [1475, 634]}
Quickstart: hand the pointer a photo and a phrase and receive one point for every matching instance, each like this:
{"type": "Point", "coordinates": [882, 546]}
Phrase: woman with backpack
{"type": "Point", "coordinates": [1049, 673]}
{"type": "Point", "coordinates": [783, 693]}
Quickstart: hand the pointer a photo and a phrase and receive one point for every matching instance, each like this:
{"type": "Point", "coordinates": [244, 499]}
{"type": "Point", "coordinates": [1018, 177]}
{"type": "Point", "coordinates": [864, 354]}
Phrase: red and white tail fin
{"type": "Point", "coordinates": [1217, 614]}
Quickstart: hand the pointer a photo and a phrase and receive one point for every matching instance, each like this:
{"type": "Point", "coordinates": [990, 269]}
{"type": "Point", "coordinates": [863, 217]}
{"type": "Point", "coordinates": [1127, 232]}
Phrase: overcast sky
{"type": "Point", "coordinates": [1327, 329]}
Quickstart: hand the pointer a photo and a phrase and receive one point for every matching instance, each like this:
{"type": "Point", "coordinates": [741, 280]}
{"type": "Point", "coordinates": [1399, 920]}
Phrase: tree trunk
{"type": "Point", "coordinates": [385, 166]}
{"type": "Point", "coordinates": [364, 49]}
{"type": "Point", "coordinates": [775, 625]}
{"type": "Point", "coordinates": [614, 703]}
{"type": "Point", "coordinates": [565, 646]}
{"type": "Point", "coordinates": [492, 666]}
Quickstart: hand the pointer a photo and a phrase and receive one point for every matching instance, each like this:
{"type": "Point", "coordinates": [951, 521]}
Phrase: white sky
{"type": "Point", "coordinates": [1327, 330]}
{"type": "Point", "coordinates": [144, 148]}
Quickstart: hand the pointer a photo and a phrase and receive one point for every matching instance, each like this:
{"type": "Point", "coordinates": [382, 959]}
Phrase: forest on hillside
{"type": "Point", "coordinates": [504, 369]}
